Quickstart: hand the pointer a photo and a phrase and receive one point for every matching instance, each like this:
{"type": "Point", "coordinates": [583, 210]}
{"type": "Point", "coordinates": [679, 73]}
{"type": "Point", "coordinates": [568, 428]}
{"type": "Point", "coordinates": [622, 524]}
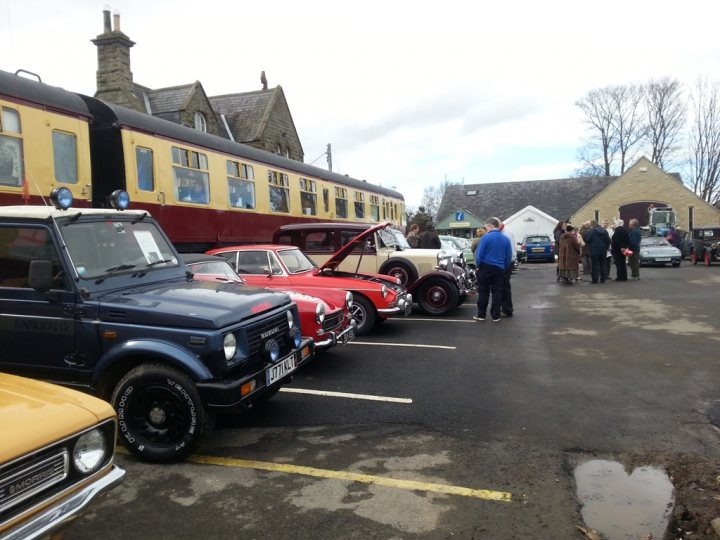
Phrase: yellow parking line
{"type": "Point", "coordinates": [353, 477]}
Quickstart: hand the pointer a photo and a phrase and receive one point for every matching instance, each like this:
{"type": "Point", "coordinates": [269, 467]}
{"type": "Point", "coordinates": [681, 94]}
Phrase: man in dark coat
{"type": "Point", "coordinates": [598, 242]}
{"type": "Point", "coordinates": [429, 239]}
{"type": "Point", "coordinates": [620, 241]}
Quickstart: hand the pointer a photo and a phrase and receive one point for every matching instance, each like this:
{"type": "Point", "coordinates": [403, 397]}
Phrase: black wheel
{"type": "Point", "coordinates": [438, 297]}
{"type": "Point", "coordinates": [404, 271]}
{"type": "Point", "coordinates": [363, 311]}
{"type": "Point", "coordinates": [160, 415]}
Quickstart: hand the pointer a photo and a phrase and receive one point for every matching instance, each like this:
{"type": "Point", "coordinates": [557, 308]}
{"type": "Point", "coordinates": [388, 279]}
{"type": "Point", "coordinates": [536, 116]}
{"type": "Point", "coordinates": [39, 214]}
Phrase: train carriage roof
{"type": "Point", "coordinates": [151, 124]}
{"type": "Point", "coordinates": [37, 93]}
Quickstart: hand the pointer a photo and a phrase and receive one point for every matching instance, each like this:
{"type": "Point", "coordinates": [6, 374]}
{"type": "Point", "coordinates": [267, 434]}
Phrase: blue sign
{"type": "Point", "coordinates": [459, 216]}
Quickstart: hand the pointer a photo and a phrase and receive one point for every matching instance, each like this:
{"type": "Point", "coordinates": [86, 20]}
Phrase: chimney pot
{"type": "Point", "coordinates": [116, 22]}
{"type": "Point", "coordinates": [106, 20]}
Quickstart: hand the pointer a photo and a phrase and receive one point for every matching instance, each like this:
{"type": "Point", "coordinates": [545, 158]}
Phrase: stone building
{"type": "Point", "coordinates": [261, 118]}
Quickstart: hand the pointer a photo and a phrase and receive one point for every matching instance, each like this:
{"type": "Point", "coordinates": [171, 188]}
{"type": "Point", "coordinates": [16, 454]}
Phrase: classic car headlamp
{"type": "Point", "coordinates": [272, 350]}
{"type": "Point", "coordinates": [119, 199]}
{"type": "Point", "coordinates": [295, 337]}
{"type": "Point", "coordinates": [383, 291]}
{"type": "Point", "coordinates": [320, 313]}
{"type": "Point", "coordinates": [62, 198]}
{"type": "Point", "coordinates": [291, 319]}
{"type": "Point", "coordinates": [349, 300]}
{"type": "Point", "coordinates": [89, 451]}
{"type": "Point", "coordinates": [229, 345]}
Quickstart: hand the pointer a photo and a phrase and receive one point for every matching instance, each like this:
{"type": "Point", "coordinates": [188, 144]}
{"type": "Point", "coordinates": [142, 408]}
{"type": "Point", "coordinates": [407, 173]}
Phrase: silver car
{"type": "Point", "coordinates": [657, 250]}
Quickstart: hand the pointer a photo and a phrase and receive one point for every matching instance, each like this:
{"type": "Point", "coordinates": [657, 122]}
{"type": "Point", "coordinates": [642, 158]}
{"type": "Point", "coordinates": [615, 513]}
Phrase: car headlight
{"type": "Point", "coordinates": [644, 253]}
{"type": "Point", "coordinates": [295, 338]}
{"type": "Point", "coordinates": [349, 300]}
{"type": "Point", "coordinates": [319, 313]}
{"type": "Point", "coordinates": [290, 318]}
{"type": "Point", "coordinates": [272, 350]}
{"type": "Point", "coordinates": [90, 451]}
{"type": "Point", "coordinates": [229, 345]}
{"type": "Point", "coordinates": [383, 291]}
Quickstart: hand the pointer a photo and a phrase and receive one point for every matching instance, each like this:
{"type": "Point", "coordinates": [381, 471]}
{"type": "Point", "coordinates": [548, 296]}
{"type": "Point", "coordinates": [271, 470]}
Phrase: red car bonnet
{"type": "Point", "coordinates": [340, 255]}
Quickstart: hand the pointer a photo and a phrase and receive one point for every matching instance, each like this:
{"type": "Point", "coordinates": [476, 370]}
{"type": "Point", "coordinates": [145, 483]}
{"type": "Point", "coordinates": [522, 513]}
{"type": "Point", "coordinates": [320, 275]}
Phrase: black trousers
{"type": "Point", "coordinates": [507, 305]}
{"type": "Point", "coordinates": [598, 268]}
{"type": "Point", "coordinates": [490, 281]}
{"type": "Point", "coordinates": [620, 266]}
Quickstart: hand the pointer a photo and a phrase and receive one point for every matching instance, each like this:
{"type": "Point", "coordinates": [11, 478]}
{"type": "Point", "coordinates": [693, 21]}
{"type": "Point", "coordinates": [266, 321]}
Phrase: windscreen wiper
{"type": "Point", "coordinates": [113, 269]}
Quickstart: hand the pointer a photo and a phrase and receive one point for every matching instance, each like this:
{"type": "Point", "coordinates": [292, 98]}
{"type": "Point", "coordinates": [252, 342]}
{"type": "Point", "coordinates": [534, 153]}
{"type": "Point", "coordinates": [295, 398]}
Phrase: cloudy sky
{"type": "Point", "coordinates": [409, 93]}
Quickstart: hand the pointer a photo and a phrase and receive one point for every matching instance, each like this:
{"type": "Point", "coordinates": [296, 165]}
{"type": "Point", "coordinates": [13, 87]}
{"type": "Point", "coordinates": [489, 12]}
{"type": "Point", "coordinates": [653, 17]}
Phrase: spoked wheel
{"type": "Point", "coordinates": [363, 311]}
{"type": "Point", "coordinates": [438, 297]}
{"type": "Point", "coordinates": [160, 415]}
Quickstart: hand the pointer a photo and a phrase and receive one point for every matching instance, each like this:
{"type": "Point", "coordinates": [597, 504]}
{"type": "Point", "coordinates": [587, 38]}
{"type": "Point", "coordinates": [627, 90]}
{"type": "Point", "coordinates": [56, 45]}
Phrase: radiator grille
{"type": "Point", "coordinates": [276, 326]}
{"type": "Point", "coordinates": [28, 478]}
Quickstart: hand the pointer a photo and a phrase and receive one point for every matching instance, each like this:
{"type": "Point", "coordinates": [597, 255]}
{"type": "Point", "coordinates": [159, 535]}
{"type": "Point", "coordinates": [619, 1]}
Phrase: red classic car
{"type": "Point", "coordinates": [375, 297]}
{"type": "Point", "coordinates": [327, 321]}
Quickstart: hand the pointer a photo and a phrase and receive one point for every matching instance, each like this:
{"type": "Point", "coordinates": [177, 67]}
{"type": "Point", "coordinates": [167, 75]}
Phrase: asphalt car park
{"type": "Point", "coordinates": [440, 427]}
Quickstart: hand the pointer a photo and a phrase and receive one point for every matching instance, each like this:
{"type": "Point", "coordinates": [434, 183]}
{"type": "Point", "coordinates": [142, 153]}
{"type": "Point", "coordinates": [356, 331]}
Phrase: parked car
{"type": "Point", "coordinates": [436, 279]}
{"type": "Point", "coordinates": [705, 245]}
{"type": "Point", "coordinates": [538, 247]}
{"type": "Point", "coordinates": [461, 244]}
{"type": "Point", "coordinates": [98, 298]}
{"type": "Point", "coordinates": [657, 250]}
{"type": "Point", "coordinates": [56, 456]}
{"type": "Point", "coordinates": [375, 297]}
{"type": "Point", "coordinates": [325, 318]}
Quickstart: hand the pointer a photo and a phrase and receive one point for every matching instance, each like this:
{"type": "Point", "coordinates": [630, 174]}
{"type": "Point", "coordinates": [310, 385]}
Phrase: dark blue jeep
{"type": "Point", "coordinates": [98, 299]}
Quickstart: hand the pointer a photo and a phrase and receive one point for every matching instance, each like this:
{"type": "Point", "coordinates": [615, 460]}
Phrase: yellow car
{"type": "Point", "coordinates": [56, 456]}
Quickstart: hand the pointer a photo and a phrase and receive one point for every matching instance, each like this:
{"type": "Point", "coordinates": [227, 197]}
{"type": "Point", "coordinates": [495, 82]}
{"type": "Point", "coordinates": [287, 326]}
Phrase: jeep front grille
{"type": "Point", "coordinates": [276, 326]}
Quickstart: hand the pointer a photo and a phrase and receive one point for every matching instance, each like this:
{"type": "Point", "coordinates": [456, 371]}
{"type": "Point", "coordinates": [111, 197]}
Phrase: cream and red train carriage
{"type": "Point", "coordinates": [206, 191]}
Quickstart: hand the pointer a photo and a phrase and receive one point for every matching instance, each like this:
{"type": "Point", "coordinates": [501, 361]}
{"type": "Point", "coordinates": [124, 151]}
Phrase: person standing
{"type": "Point", "coordinates": [493, 257]}
{"type": "Point", "coordinates": [634, 239]}
{"type": "Point", "coordinates": [569, 259]}
{"type": "Point", "coordinates": [478, 235]}
{"type": "Point", "coordinates": [618, 244]}
{"type": "Point", "coordinates": [608, 260]}
{"type": "Point", "coordinates": [507, 303]}
{"type": "Point", "coordinates": [558, 231]}
{"type": "Point", "coordinates": [598, 243]}
{"type": "Point", "coordinates": [584, 233]}
{"type": "Point", "coordinates": [429, 239]}
{"type": "Point", "coordinates": [412, 235]}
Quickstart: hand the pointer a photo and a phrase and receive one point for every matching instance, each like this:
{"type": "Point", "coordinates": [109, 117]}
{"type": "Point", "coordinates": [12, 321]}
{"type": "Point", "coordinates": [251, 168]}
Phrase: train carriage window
{"type": "Point", "coordinates": [65, 157]}
{"type": "Point", "coordinates": [341, 202]}
{"type": "Point", "coordinates": [279, 192]}
{"type": "Point", "coordinates": [190, 176]}
{"type": "Point", "coordinates": [241, 185]}
{"type": "Point", "coordinates": [374, 208]}
{"type": "Point", "coordinates": [10, 121]}
{"type": "Point", "coordinates": [308, 196]}
{"type": "Point", "coordinates": [11, 161]}
{"type": "Point", "coordinates": [145, 169]}
{"type": "Point", "coordinates": [359, 205]}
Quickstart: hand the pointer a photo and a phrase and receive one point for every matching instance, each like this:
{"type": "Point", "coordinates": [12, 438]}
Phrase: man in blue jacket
{"type": "Point", "coordinates": [492, 257]}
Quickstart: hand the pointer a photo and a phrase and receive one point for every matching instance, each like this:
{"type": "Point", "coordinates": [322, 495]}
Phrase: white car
{"type": "Point", "coordinates": [657, 250]}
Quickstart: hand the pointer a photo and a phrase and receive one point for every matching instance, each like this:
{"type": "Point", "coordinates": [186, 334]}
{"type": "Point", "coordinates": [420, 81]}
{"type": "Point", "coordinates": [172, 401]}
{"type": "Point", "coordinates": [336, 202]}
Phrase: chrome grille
{"type": "Point", "coordinates": [332, 321]}
{"type": "Point", "coordinates": [28, 478]}
{"type": "Point", "coordinates": [256, 334]}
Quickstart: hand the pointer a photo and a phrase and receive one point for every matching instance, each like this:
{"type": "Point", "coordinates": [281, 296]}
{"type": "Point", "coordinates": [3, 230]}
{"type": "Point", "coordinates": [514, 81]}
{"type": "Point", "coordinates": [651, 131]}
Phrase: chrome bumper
{"type": "Point", "coordinates": [404, 307]}
{"type": "Point", "coordinates": [59, 515]}
{"type": "Point", "coordinates": [335, 338]}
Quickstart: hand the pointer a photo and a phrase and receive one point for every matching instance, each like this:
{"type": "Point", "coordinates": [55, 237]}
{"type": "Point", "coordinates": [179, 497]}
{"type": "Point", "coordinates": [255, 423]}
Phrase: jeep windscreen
{"type": "Point", "coordinates": [295, 261]}
{"type": "Point", "coordinates": [99, 249]}
{"type": "Point", "coordinates": [393, 238]}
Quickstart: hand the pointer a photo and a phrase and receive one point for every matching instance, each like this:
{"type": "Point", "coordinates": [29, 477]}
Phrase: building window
{"type": "Point", "coordinates": [279, 192]}
{"type": "Point", "coordinates": [200, 122]}
{"type": "Point", "coordinates": [374, 208]}
{"type": "Point", "coordinates": [308, 196]}
{"type": "Point", "coordinates": [691, 218]}
{"type": "Point", "coordinates": [241, 185]}
{"type": "Point", "coordinates": [287, 152]}
{"type": "Point", "coordinates": [11, 146]}
{"type": "Point", "coordinates": [359, 205]}
{"type": "Point", "coordinates": [145, 169]}
{"type": "Point", "coordinates": [278, 150]}
{"type": "Point", "coordinates": [65, 157]}
{"type": "Point", "coordinates": [341, 202]}
{"type": "Point", "coordinates": [190, 176]}
{"type": "Point", "coordinates": [597, 215]}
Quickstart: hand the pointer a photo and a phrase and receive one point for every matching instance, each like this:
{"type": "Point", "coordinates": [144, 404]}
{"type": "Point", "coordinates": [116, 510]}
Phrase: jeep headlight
{"type": "Point", "coordinates": [290, 318]}
{"type": "Point", "coordinates": [319, 313]}
{"type": "Point", "coordinates": [229, 345]}
{"type": "Point", "coordinates": [349, 300]}
{"type": "Point", "coordinates": [90, 451]}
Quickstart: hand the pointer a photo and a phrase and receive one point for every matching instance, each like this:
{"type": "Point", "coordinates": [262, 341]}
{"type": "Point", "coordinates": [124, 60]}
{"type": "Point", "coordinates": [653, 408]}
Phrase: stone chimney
{"type": "Point", "coordinates": [114, 78]}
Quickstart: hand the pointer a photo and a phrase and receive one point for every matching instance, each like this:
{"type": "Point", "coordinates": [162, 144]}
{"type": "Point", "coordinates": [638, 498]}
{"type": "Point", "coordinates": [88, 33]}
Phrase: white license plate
{"type": "Point", "coordinates": [536, 250]}
{"type": "Point", "coordinates": [662, 259]}
{"type": "Point", "coordinates": [279, 370]}
{"type": "Point", "coordinates": [348, 336]}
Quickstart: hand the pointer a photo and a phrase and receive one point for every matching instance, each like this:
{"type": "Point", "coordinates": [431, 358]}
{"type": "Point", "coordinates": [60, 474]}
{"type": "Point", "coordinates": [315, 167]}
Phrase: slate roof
{"type": "Point", "coordinates": [245, 113]}
{"type": "Point", "coordinates": [558, 198]}
{"type": "Point", "coordinates": [164, 100]}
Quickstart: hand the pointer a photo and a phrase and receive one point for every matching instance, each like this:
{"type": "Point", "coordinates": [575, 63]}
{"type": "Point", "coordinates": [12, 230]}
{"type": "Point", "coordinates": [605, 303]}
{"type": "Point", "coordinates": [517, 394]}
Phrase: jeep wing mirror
{"type": "Point", "coordinates": [40, 275]}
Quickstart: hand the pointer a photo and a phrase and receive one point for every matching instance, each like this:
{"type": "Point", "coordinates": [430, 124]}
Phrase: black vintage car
{"type": "Point", "coordinates": [705, 245]}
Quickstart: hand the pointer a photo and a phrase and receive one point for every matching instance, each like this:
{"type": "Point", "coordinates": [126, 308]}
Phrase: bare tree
{"type": "Point", "coordinates": [598, 109]}
{"type": "Point", "coordinates": [666, 116]}
{"type": "Point", "coordinates": [705, 141]}
{"type": "Point", "coordinates": [432, 197]}
{"type": "Point", "coordinates": [628, 121]}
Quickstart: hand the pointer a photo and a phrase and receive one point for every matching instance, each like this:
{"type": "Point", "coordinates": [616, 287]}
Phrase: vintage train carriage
{"type": "Point", "coordinates": [206, 191]}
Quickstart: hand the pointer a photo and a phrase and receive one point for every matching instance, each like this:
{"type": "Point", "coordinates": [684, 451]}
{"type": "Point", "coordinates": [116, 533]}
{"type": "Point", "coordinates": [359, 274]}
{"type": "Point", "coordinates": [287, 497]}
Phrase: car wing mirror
{"type": "Point", "coordinates": [40, 275]}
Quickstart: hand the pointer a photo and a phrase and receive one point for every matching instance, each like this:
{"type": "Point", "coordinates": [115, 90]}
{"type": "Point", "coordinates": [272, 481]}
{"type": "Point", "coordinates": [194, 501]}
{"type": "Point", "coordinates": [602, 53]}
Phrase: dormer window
{"type": "Point", "coordinates": [200, 122]}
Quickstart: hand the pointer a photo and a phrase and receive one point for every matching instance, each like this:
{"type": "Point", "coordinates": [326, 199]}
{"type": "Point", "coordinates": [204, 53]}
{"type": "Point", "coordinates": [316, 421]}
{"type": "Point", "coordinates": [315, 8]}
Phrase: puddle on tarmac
{"type": "Point", "coordinates": [622, 506]}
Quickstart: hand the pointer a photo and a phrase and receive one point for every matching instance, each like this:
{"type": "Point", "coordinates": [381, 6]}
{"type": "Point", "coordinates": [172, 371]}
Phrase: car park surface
{"type": "Point", "coordinates": [379, 438]}
{"type": "Point", "coordinates": [56, 456]}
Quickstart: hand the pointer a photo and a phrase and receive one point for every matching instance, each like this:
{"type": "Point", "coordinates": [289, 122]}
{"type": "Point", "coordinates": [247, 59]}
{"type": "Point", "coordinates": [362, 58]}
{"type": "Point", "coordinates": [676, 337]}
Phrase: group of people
{"type": "Point", "coordinates": [597, 246]}
{"type": "Point", "coordinates": [427, 239]}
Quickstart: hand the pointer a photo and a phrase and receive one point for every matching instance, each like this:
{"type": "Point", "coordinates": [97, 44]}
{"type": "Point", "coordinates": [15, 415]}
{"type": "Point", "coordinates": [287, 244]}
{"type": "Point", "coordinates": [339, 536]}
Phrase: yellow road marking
{"type": "Point", "coordinates": [353, 477]}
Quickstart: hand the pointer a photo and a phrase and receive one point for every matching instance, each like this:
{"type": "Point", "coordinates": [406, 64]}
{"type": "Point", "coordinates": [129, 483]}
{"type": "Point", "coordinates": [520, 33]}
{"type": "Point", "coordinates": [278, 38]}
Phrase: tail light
{"type": "Point", "coordinates": [523, 247]}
